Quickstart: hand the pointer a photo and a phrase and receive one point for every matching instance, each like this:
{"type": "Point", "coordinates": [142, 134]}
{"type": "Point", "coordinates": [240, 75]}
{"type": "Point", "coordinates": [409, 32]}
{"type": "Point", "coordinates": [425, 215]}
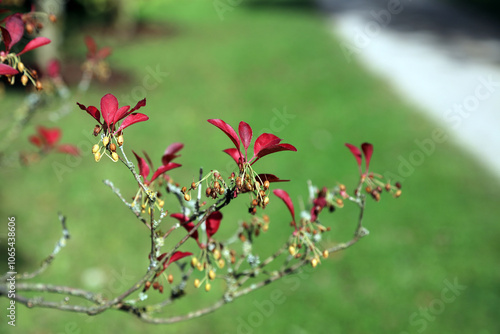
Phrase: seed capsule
{"type": "Point", "coordinates": [398, 185]}
{"type": "Point", "coordinates": [291, 250]}
{"type": "Point", "coordinates": [342, 187]}
{"type": "Point", "coordinates": [325, 253]}
{"type": "Point", "coordinates": [38, 85]}
{"type": "Point", "coordinates": [388, 187]}
{"type": "Point", "coordinates": [193, 185]}
{"type": "Point", "coordinates": [112, 147]}
{"type": "Point", "coordinates": [199, 266]}
{"type": "Point", "coordinates": [211, 274]}
{"type": "Point", "coordinates": [170, 278]}
{"type": "Point", "coordinates": [97, 156]}
{"type": "Point", "coordinates": [197, 283]}
{"type": "Point", "coordinates": [24, 79]}
{"type": "Point", "coordinates": [216, 185]}
{"type": "Point", "coordinates": [194, 262]}
{"type": "Point", "coordinates": [187, 197]}
{"type": "Point", "coordinates": [183, 190]}
{"type": "Point", "coordinates": [97, 129]}
{"type": "Point", "coordinates": [266, 201]}
{"type": "Point", "coordinates": [221, 191]}
{"type": "Point", "coordinates": [20, 67]}
{"type": "Point", "coordinates": [105, 141]}
{"type": "Point", "coordinates": [156, 285]}
{"type": "Point", "coordinates": [95, 148]}
{"type": "Point", "coordinates": [29, 28]}
{"type": "Point", "coordinates": [208, 191]}
{"type": "Point", "coordinates": [398, 193]}
{"type": "Point", "coordinates": [114, 156]}
{"type": "Point", "coordinates": [216, 254]}
{"type": "Point", "coordinates": [52, 18]}
{"type": "Point", "coordinates": [266, 184]}
{"type": "Point", "coordinates": [207, 287]}
{"type": "Point", "coordinates": [221, 263]}
{"type": "Point", "coordinates": [119, 140]}
{"type": "Point", "coordinates": [147, 285]}
{"type": "Point", "coordinates": [314, 262]}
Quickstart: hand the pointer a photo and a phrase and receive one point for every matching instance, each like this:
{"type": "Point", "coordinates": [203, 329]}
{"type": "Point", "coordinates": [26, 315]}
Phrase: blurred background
{"type": "Point", "coordinates": [318, 75]}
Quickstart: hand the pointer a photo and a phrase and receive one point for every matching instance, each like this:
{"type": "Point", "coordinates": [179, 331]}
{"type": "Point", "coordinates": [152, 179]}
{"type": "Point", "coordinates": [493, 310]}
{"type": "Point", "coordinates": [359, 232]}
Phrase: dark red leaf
{"type": "Point", "coordinates": [109, 107]}
{"type": "Point", "coordinates": [357, 154]}
{"type": "Point", "coordinates": [15, 26]}
{"type": "Point", "coordinates": [92, 111]}
{"type": "Point", "coordinates": [245, 132]}
{"type": "Point", "coordinates": [7, 70]}
{"type": "Point", "coordinates": [273, 149]}
{"type": "Point", "coordinates": [163, 169]}
{"type": "Point", "coordinates": [367, 151]}
{"type": "Point", "coordinates": [213, 223]}
{"type": "Point", "coordinates": [228, 130]}
{"type": "Point", "coordinates": [54, 68]}
{"type": "Point", "coordinates": [143, 166]}
{"type": "Point", "coordinates": [132, 119]}
{"type": "Point", "coordinates": [235, 154]}
{"type": "Point", "coordinates": [35, 43]}
{"type": "Point", "coordinates": [139, 105]}
{"type": "Point", "coordinates": [183, 220]}
{"type": "Point", "coordinates": [6, 38]}
{"type": "Point", "coordinates": [286, 198]}
{"type": "Point", "coordinates": [176, 257]}
{"type": "Point", "coordinates": [269, 177]}
{"type": "Point", "coordinates": [35, 140]}
{"type": "Point", "coordinates": [69, 149]}
{"type": "Point", "coordinates": [170, 152]}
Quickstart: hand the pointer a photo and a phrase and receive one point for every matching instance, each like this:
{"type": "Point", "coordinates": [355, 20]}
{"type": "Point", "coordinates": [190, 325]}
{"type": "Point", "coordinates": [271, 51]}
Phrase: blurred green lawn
{"type": "Point", "coordinates": [252, 66]}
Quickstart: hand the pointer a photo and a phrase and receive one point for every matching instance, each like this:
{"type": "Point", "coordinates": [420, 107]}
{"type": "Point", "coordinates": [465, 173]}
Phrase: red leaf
{"type": "Point", "coordinates": [228, 130]}
{"type": "Point", "coordinates": [91, 46]}
{"type": "Point", "coordinates": [35, 43]}
{"type": "Point", "coordinates": [176, 257]}
{"type": "Point", "coordinates": [357, 154]}
{"type": "Point", "coordinates": [92, 111]}
{"type": "Point", "coordinates": [367, 151]}
{"type": "Point", "coordinates": [163, 169]}
{"type": "Point", "coordinates": [132, 119]}
{"type": "Point", "coordinates": [69, 149]}
{"type": "Point", "coordinates": [264, 140]}
{"type": "Point", "coordinates": [270, 178]}
{"type": "Point", "coordinates": [139, 105]}
{"type": "Point", "coordinates": [143, 166]}
{"type": "Point", "coordinates": [15, 26]}
{"type": "Point", "coordinates": [104, 52]}
{"type": "Point", "coordinates": [50, 136]}
{"type": "Point", "coordinates": [273, 149]}
{"type": "Point", "coordinates": [120, 114]}
{"type": "Point", "coordinates": [7, 70]}
{"type": "Point", "coordinates": [286, 198]}
{"type": "Point", "coordinates": [235, 154]}
{"type": "Point", "coordinates": [183, 220]}
{"type": "Point", "coordinates": [6, 38]}
{"type": "Point", "coordinates": [245, 132]}
{"type": "Point", "coordinates": [170, 152]}
{"type": "Point", "coordinates": [213, 223]}
{"type": "Point", "coordinates": [109, 107]}
{"type": "Point", "coordinates": [35, 140]}
{"type": "Point", "coordinates": [54, 68]}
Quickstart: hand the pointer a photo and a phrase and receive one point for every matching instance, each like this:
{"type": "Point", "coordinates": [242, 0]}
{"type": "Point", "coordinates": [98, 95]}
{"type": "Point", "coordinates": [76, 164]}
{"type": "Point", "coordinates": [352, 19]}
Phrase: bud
{"type": "Point", "coordinates": [52, 18]}
{"type": "Point", "coordinates": [24, 79]}
{"type": "Point", "coordinates": [97, 156]}
{"type": "Point", "coordinates": [208, 191]}
{"type": "Point", "coordinates": [254, 202]}
{"type": "Point", "coordinates": [368, 189]}
{"type": "Point", "coordinates": [170, 278]}
{"type": "Point", "coordinates": [398, 193]}
{"type": "Point", "coordinates": [197, 283]}
{"type": "Point", "coordinates": [291, 250]}
{"type": "Point", "coordinates": [325, 253]}
{"type": "Point", "coordinates": [193, 185]}
{"type": "Point", "coordinates": [187, 197]}
{"type": "Point", "coordinates": [156, 285]}
{"type": "Point", "coordinates": [112, 147]}
{"type": "Point", "coordinates": [340, 203]}
{"type": "Point", "coordinates": [216, 254]}
{"type": "Point", "coordinates": [221, 263]}
{"type": "Point", "coordinates": [211, 274]}
{"type": "Point", "coordinates": [95, 148]}
{"type": "Point", "coordinates": [342, 187]}
{"type": "Point", "coordinates": [266, 201]}
{"type": "Point", "coordinates": [388, 187]}
{"type": "Point", "coordinates": [199, 266]}
{"type": "Point", "coordinates": [38, 85]}
{"type": "Point", "coordinates": [221, 191]}
{"type": "Point", "coordinates": [29, 28]}
{"type": "Point", "coordinates": [194, 262]}
{"type": "Point", "coordinates": [147, 285]}
{"type": "Point", "coordinates": [207, 287]}
{"type": "Point", "coordinates": [314, 262]}
{"type": "Point", "coordinates": [398, 185]}
{"type": "Point", "coordinates": [183, 190]}
{"type": "Point", "coordinates": [119, 140]}
{"type": "Point", "coordinates": [216, 185]}
{"type": "Point", "coordinates": [97, 129]}
{"type": "Point", "coordinates": [20, 67]}
{"type": "Point", "coordinates": [114, 156]}
{"type": "Point", "coordinates": [105, 141]}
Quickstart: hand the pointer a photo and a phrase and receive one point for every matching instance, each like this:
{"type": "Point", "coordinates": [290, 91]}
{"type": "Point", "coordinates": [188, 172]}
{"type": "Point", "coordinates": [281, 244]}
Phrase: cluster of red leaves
{"type": "Point", "coordinates": [145, 165]}
{"type": "Point", "coordinates": [46, 139]}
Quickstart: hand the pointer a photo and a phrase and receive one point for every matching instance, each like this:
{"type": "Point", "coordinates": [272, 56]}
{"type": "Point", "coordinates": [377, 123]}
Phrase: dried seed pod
{"type": "Point", "coordinates": [388, 187]}
{"type": "Point", "coordinates": [266, 184]}
{"type": "Point", "coordinates": [183, 190]}
{"type": "Point", "coordinates": [398, 185]}
{"type": "Point", "coordinates": [112, 147]}
{"type": "Point", "coordinates": [156, 285]}
{"type": "Point", "coordinates": [170, 278]}
{"type": "Point", "coordinates": [208, 191]}
{"type": "Point", "coordinates": [38, 85]}
{"type": "Point", "coordinates": [147, 285]}
{"type": "Point", "coordinates": [187, 197]}
{"type": "Point", "coordinates": [193, 185]}
{"type": "Point", "coordinates": [368, 189]}
{"type": "Point", "coordinates": [97, 129]}
{"type": "Point", "coordinates": [221, 191]}
{"type": "Point", "coordinates": [52, 18]}
{"type": "Point", "coordinates": [29, 28]}
{"type": "Point", "coordinates": [266, 201]}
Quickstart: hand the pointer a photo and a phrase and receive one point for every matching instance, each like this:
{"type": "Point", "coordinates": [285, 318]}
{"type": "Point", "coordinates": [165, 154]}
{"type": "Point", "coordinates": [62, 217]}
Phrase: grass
{"type": "Point", "coordinates": [252, 65]}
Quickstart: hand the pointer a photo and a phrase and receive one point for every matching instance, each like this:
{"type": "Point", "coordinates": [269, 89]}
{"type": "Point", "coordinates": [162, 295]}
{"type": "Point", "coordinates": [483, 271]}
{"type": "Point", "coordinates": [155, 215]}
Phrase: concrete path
{"type": "Point", "coordinates": [446, 60]}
